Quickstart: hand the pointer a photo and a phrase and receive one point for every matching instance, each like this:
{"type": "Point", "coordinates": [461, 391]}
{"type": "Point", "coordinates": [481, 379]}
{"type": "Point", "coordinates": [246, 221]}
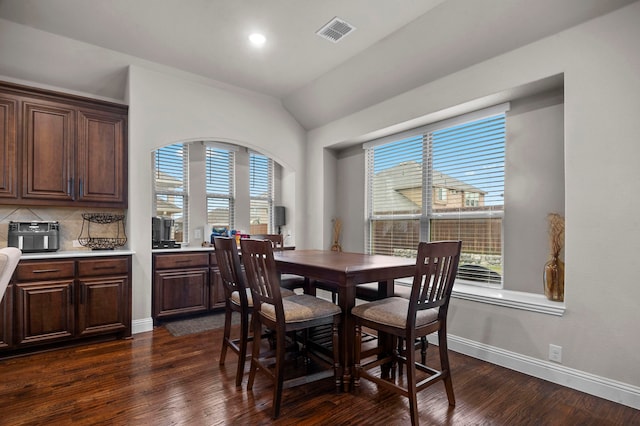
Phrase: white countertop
{"type": "Point", "coordinates": [78, 253]}
{"type": "Point", "coordinates": [183, 249]}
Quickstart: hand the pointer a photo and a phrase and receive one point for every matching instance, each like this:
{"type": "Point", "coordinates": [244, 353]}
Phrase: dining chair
{"type": "Point", "coordinates": [369, 292]}
{"type": "Point", "coordinates": [289, 281]}
{"type": "Point", "coordinates": [284, 315]}
{"type": "Point", "coordinates": [9, 258]}
{"type": "Point", "coordinates": [237, 299]}
{"type": "Point", "coordinates": [425, 312]}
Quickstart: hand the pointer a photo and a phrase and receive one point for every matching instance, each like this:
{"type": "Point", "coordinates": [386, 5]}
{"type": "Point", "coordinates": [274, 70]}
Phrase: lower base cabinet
{"type": "Point", "coordinates": [185, 284]}
{"type": "Point", "coordinates": [57, 301]}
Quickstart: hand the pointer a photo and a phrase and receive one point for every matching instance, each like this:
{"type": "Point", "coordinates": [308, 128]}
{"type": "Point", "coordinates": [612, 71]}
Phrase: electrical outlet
{"type": "Point", "coordinates": [555, 353]}
{"type": "Point", "coordinates": [198, 234]}
{"type": "Point", "coordinates": [76, 243]}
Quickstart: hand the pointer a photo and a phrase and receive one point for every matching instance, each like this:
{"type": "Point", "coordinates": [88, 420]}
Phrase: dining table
{"type": "Point", "coordinates": [344, 271]}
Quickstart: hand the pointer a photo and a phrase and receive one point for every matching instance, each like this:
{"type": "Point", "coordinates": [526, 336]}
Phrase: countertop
{"type": "Point", "coordinates": [183, 249]}
{"type": "Point", "coordinates": [78, 253]}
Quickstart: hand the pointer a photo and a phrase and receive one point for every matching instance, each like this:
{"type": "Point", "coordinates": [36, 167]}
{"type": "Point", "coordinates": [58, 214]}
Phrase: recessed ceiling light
{"type": "Point", "coordinates": [257, 39]}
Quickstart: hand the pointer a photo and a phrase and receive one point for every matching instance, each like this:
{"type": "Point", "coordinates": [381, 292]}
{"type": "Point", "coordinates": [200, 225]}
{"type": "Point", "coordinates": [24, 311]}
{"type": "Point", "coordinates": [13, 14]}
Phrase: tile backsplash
{"type": "Point", "coordinates": [70, 219]}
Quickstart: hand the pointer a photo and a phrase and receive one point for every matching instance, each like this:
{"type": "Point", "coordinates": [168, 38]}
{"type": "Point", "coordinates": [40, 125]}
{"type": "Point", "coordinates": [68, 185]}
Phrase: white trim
{"type": "Point", "coordinates": [141, 325]}
{"type": "Point", "coordinates": [508, 298]}
{"type": "Point", "coordinates": [602, 387]}
{"type": "Point", "coordinates": [221, 145]}
{"type": "Point", "coordinates": [500, 297]}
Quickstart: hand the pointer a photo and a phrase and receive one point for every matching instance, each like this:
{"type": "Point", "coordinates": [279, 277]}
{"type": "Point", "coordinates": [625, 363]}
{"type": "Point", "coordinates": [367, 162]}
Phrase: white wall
{"type": "Point", "coordinates": [164, 109]}
{"type": "Point", "coordinates": [600, 62]}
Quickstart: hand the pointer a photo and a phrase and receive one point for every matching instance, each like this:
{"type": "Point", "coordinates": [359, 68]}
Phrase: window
{"type": "Point", "coordinates": [171, 180]}
{"type": "Point", "coordinates": [220, 187]}
{"type": "Point", "coordinates": [260, 193]}
{"type": "Point", "coordinates": [472, 199]}
{"type": "Point", "coordinates": [441, 182]}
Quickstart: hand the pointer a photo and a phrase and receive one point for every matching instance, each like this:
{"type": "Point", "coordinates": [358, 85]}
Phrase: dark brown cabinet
{"type": "Point", "coordinates": [215, 284]}
{"type": "Point", "coordinates": [103, 300]}
{"type": "Point", "coordinates": [8, 148]}
{"type": "Point", "coordinates": [48, 150]}
{"type": "Point", "coordinates": [101, 165]}
{"type": "Point", "coordinates": [56, 301]}
{"type": "Point", "coordinates": [70, 150]}
{"type": "Point", "coordinates": [185, 283]}
{"type": "Point", "coordinates": [44, 301]}
{"type": "Point", "coordinates": [6, 304]}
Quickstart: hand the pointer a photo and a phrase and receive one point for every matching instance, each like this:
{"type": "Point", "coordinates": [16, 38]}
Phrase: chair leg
{"type": "Point", "coordinates": [356, 356]}
{"type": "Point", "coordinates": [337, 374]}
{"type": "Point", "coordinates": [255, 351]}
{"type": "Point", "coordinates": [279, 374]}
{"type": "Point", "coordinates": [227, 334]}
{"type": "Point", "coordinates": [399, 351]}
{"type": "Point", "coordinates": [242, 356]}
{"type": "Point", "coordinates": [444, 365]}
{"type": "Point", "coordinates": [423, 349]}
{"type": "Point", "coordinates": [410, 354]}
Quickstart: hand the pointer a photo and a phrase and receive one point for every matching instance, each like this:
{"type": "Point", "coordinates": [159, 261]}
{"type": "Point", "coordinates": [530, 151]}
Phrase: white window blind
{"type": "Point", "coordinates": [261, 193]}
{"type": "Point", "coordinates": [441, 183]}
{"type": "Point", "coordinates": [220, 172]}
{"type": "Point", "coordinates": [171, 182]}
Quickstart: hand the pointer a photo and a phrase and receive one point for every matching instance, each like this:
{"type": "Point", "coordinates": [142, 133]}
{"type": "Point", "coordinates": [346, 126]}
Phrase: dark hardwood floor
{"type": "Point", "coordinates": [158, 379]}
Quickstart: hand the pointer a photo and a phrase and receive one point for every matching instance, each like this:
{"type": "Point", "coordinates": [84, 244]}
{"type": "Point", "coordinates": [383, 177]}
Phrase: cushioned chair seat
{"type": "Point", "coordinates": [235, 296]}
{"type": "Point", "coordinates": [393, 311]}
{"type": "Point", "coordinates": [301, 307]}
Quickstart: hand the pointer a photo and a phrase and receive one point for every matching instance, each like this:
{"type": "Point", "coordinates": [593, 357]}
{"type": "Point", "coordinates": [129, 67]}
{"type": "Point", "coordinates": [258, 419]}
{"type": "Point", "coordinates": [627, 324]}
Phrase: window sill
{"type": "Point", "coordinates": [508, 298]}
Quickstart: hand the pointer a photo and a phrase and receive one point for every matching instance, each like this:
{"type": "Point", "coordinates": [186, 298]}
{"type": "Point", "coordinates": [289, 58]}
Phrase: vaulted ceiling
{"type": "Point", "coordinates": [396, 46]}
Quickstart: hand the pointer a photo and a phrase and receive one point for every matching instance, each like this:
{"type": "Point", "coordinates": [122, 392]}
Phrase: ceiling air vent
{"type": "Point", "coordinates": [335, 30]}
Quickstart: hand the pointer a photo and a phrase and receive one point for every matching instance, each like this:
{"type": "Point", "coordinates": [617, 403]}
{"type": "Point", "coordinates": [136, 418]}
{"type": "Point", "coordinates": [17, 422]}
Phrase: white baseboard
{"type": "Point", "coordinates": [141, 325]}
{"type": "Point", "coordinates": [602, 387]}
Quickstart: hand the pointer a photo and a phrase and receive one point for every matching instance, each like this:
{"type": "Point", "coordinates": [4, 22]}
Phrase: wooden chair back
{"type": "Point", "coordinates": [436, 268]}
{"type": "Point", "coordinates": [277, 240]}
{"type": "Point", "coordinates": [262, 275]}
{"type": "Point", "coordinates": [230, 268]}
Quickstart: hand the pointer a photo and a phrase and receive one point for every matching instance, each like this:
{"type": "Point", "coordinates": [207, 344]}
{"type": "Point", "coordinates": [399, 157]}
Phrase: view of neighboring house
{"type": "Point", "coordinates": [400, 188]}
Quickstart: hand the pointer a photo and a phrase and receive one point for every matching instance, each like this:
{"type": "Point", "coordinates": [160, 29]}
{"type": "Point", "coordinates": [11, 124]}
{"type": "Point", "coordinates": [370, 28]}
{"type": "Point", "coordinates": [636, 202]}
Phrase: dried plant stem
{"type": "Point", "coordinates": [556, 233]}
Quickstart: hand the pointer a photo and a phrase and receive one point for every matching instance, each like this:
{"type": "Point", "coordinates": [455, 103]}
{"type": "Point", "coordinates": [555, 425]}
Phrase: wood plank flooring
{"type": "Point", "coordinates": [158, 379]}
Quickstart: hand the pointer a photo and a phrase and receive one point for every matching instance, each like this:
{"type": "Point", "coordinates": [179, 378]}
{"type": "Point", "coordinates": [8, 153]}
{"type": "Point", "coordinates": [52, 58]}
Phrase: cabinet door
{"type": "Point", "coordinates": [48, 151]}
{"type": "Point", "coordinates": [101, 157]}
{"type": "Point", "coordinates": [102, 305]}
{"type": "Point", "coordinates": [178, 292]}
{"type": "Point", "coordinates": [44, 311]}
{"type": "Point", "coordinates": [217, 289]}
{"type": "Point", "coordinates": [8, 148]}
{"type": "Point", "coordinates": [6, 337]}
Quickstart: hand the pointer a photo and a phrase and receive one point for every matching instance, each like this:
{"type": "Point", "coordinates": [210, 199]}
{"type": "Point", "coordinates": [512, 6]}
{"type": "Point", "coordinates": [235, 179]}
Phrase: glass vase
{"type": "Point", "coordinates": [554, 279]}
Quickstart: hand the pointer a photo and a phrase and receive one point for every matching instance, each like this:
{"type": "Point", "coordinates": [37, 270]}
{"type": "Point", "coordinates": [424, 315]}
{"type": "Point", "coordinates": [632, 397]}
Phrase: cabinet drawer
{"type": "Point", "coordinates": [32, 271]}
{"type": "Point", "coordinates": [111, 266]}
{"type": "Point", "coordinates": [213, 261]}
{"type": "Point", "coordinates": [179, 261]}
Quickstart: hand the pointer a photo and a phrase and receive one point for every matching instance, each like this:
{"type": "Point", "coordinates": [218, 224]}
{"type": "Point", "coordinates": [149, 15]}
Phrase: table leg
{"type": "Point", "coordinates": [347, 300]}
{"type": "Point", "coordinates": [385, 341]}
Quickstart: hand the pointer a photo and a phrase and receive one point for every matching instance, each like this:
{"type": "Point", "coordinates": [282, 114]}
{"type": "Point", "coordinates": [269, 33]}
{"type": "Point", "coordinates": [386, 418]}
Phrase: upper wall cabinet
{"type": "Point", "coordinates": [67, 150]}
{"type": "Point", "coordinates": [8, 148]}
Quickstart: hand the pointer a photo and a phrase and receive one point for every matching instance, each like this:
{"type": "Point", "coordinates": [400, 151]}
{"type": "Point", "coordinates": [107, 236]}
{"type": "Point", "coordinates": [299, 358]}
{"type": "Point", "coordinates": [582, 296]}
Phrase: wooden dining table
{"type": "Point", "coordinates": [346, 271]}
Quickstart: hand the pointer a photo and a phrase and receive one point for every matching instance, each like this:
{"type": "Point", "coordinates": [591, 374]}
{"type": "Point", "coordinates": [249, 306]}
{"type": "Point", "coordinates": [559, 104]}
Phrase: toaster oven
{"type": "Point", "coordinates": [35, 236]}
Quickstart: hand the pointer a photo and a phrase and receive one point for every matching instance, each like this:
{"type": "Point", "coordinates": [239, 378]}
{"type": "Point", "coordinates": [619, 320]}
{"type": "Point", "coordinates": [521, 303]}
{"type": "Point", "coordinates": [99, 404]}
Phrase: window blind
{"type": "Point", "coordinates": [220, 186]}
{"type": "Point", "coordinates": [444, 184]}
{"type": "Point", "coordinates": [171, 182]}
{"type": "Point", "coordinates": [261, 193]}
